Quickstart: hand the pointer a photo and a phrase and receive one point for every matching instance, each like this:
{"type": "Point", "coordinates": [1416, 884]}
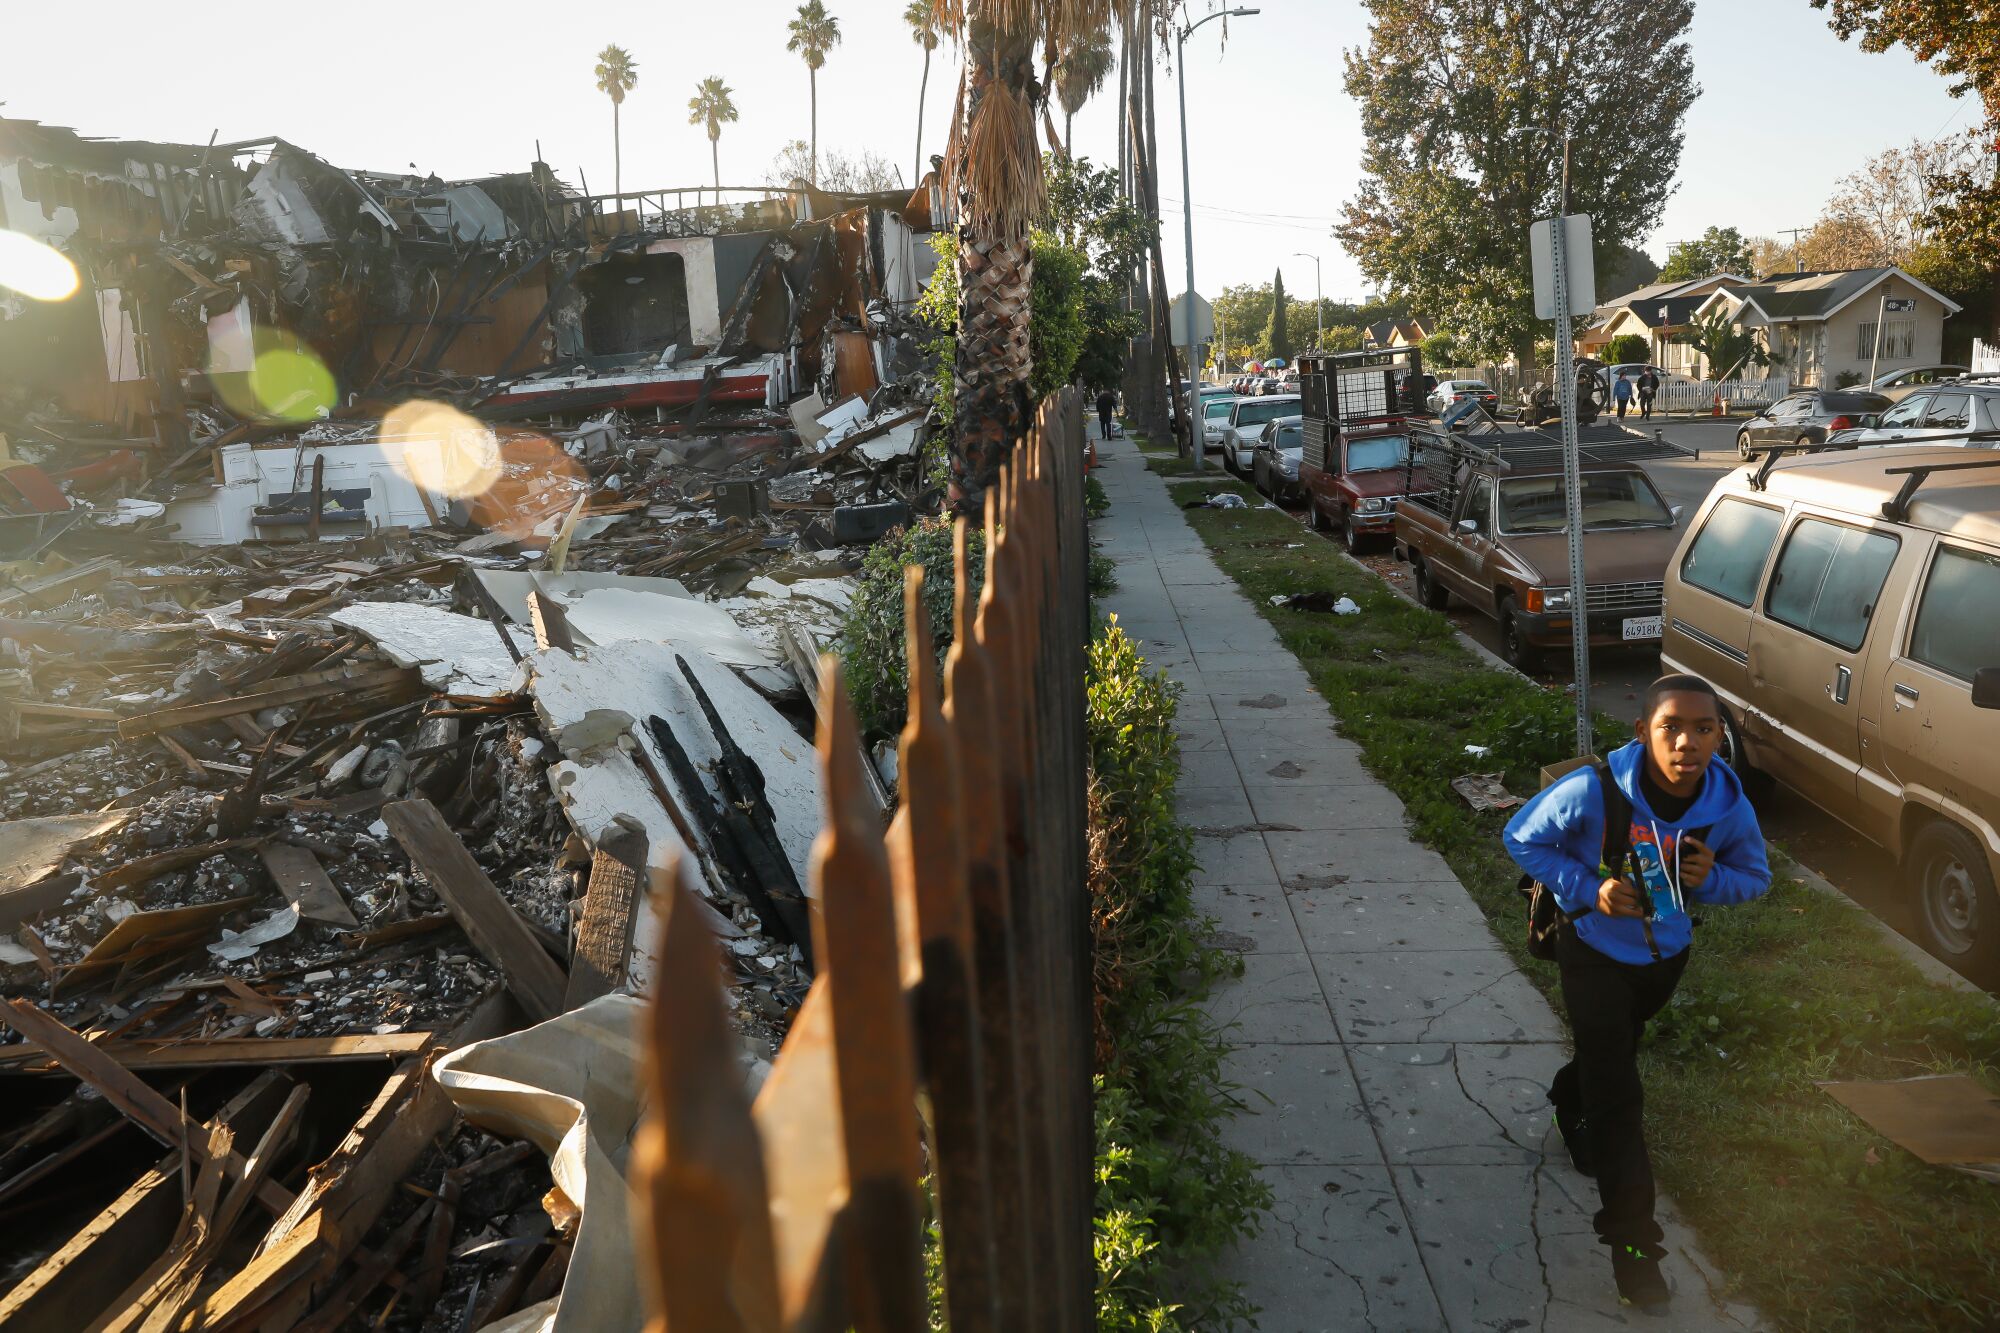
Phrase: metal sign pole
{"type": "Point", "coordinates": [1579, 601]}
{"type": "Point", "coordinates": [1881, 317]}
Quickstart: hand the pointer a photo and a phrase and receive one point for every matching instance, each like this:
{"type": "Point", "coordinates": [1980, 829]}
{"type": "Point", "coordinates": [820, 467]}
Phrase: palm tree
{"type": "Point", "coordinates": [814, 33]}
{"type": "Point", "coordinates": [617, 72]}
{"type": "Point", "coordinates": [711, 106]}
{"type": "Point", "coordinates": [923, 31]}
{"type": "Point", "coordinates": [996, 168]}
{"type": "Point", "coordinates": [1080, 72]}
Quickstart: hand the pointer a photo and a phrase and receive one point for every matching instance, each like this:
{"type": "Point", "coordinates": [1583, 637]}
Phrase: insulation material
{"type": "Point", "coordinates": [457, 654]}
{"type": "Point", "coordinates": [571, 1087]}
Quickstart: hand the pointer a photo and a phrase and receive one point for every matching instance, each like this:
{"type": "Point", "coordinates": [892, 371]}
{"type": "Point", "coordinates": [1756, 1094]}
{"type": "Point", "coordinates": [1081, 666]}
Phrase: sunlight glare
{"type": "Point", "coordinates": [35, 270]}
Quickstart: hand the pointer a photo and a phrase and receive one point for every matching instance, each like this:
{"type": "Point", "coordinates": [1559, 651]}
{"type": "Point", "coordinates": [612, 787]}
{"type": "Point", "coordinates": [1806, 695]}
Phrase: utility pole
{"type": "Point", "coordinates": [1798, 260]}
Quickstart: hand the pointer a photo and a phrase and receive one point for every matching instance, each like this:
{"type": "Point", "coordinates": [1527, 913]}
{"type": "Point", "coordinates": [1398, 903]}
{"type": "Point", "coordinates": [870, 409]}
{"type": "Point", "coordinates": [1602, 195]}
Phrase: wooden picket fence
{"type": "Point", "coordinates": [948, 1029]}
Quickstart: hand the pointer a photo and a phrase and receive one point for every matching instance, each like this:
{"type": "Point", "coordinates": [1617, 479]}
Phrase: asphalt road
{"type": "Point", "coordinates": [1618, 680]}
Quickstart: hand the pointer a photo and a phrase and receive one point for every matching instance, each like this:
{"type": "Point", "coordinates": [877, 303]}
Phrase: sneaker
{"type": "Point", "coordinates": [1570, 1125]}
{"type": "Point", "coordinates": [1639, 1280]}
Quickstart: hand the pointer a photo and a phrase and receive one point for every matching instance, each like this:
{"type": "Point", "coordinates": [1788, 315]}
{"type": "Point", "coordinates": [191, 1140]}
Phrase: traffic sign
{"type": "Point", "coordinates": [1204, 320]}
{"type": "Point", "coordinates": [1582, 277]}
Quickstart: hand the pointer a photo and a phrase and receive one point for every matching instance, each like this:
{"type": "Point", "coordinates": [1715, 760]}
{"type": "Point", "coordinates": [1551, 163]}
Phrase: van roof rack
{"type": "Point", "coordinates": [1897, 509]}
{"type": "Point", "coordinates": [1541, 448]}
{"type": "Point", "coordinates": [1771, 454]}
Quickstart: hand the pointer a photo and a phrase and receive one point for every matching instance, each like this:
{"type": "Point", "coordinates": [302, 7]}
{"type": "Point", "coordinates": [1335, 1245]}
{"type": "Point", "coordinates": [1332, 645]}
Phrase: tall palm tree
{"type": "Point", "coordinates": [814, 33]}
{"type": "Point", "coordinates": [710, 106]}
{"type": "Point", "coordinates": [996, 170]}
{"type": "Point", "coordinates": [1079, 73]}
{"type": "Point", "coordinates": [617, 72]}
{"type": "Point", "coordinates": [924, 32]}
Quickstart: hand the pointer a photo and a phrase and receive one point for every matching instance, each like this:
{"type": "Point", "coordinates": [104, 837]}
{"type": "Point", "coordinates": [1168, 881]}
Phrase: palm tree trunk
{"type": "Point", "coordinates": [617, 158]}
{"type": "Point", "coordinates": [1067, 120]}
{"type": "Point", "coordinates": [715, 161]}
{"type": "Point", "coordinates": [991, 367]}
{"type": "Point", "coordinates": [922, 89]}
{"type": "Point", "coordinates": [812, 78]}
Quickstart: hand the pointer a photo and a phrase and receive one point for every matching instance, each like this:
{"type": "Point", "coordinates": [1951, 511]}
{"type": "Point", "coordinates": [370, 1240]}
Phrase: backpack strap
{"type": "Point", "coordinates": [1618, 836]}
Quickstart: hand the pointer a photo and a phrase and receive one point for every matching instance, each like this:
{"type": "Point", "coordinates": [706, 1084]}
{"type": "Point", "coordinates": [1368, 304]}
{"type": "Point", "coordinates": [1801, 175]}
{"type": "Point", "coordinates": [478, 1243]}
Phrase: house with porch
{"type": "Point", "coordinates": [1839, 327]}
{"type": "Point", "coordinates": [1656, 313]}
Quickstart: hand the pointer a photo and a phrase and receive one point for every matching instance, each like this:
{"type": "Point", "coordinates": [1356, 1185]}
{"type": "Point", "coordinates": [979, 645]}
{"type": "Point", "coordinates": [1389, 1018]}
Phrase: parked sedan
{"type": "Point", "coordinates": [1274, 462]}
{"type": "Point", "coordinates": [1215, 419]}
{"type": "Point", "coordinates": [1808, 417]}
{"type": "Point", "coordinates": [1247, 419]}
{"type": "Point", "coordinates": [1952, 408]}
{"type": "Point", "coordinates": [1900, 384]}
{"type": "Point", "coordinates": [1450, 393]}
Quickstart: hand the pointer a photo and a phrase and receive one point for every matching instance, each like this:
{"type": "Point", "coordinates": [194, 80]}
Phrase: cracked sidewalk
{"type": "Point", "coordinates": [1393, 1058]}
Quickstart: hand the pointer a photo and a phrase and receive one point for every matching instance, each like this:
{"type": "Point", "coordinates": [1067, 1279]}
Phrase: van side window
{"type": "Point", "coordinates": [1954, 630]}
{"type": "Point", "coordinates": [1728, 555]}
{"type": "Point", "coordinates": [1828, 578]}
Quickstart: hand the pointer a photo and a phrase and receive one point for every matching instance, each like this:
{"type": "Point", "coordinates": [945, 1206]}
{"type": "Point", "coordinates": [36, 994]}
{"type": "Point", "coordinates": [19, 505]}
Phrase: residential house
{"type": "Point", "coordinates": [1387, 333]}
{"type": "Point", "coordinates": [1830, 328]}
{"type": "Point", "coordinates": [1656, 313]}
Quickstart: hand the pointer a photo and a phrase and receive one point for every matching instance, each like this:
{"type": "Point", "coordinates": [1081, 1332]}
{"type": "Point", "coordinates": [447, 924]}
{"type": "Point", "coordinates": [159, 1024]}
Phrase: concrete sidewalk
{"type": "Point", "coordinates": [1394, 1058]}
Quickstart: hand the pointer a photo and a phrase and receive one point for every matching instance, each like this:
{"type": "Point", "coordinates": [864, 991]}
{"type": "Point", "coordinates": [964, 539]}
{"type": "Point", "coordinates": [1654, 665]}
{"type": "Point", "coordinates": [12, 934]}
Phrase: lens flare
{"type": "Point", "coordinates": [285, 382]}
{"type": "Point", "coordinates": [35, 270]}
{"type": "Point", "coordinates": [445, 452]}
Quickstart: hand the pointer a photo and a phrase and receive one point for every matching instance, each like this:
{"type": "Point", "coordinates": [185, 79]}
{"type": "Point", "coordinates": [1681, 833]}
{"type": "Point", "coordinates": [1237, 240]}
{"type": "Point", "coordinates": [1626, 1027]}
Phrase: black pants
{"type": "Point", "coordinates": [1646, 406]}
{"type": "Point", "coordinates": [1609, 1003]}
{"type": "Point", "coordinates": [1623, 403]}
{"type": "Point", "coordinates": [1103, 423]}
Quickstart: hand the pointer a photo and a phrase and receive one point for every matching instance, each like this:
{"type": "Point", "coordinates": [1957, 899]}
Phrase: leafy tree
{"type": "Point", "coordinates": [1623, 268]}
{"type": "Point", "coordinates": [813, 33]}
{"type": "Point", "coordinates": [711, 107]}
{"type": "Point", "coordinates": [1088, 211]}
{"type": "Point", "coordinates": [997, 172]}
{"type": "Point", "coordinates": [1079, 73]}
{"type": "Point", "coordinates": [1838, 241]}
{"type": "Point", "coordinates": [1458, 102]}
{"type": "Point", "coordinates": [924, 32]}
{"type": "Point", "coordinates": [1769, 257]}
{"type": "Point", "coordinates": [1719, 250]}
{"type": "Point", "coordinates": [616, 72]}
{"type": "Point", "coordinates": [1343, 337]}
{"type": "Point", "coordinates": [1278, 336]}
{"type": "Point", "coordinates": [1729, 347]}
{"type": "Point", "coordinates": [1881, 213]}
{"type": "Point", "coordinates": [1954, 270]}
{"type": "Point", "coordinates": [1628, 348]}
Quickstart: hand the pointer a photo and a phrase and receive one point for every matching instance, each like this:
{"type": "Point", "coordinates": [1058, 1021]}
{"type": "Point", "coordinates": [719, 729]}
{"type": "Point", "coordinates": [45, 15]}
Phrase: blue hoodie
{"type": "Point", "coordinates": [1559, 839]}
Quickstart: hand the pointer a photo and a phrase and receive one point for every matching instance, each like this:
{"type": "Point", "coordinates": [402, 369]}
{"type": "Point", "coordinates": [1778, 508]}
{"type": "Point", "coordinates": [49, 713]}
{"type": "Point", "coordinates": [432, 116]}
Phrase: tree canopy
{"type": "Point", "coordinates": [1278, 334]}
{"type": "Point", "coordinates": [1463, 106]}
{"type": "Point", "coordinates": [812, 34]}
{"type": "Point", "coordinates": [1718, 250]}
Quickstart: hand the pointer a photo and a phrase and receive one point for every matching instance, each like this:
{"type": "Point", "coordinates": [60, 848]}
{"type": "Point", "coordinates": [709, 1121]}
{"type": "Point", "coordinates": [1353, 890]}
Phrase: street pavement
{"type": "Point", "coordinates": [1393, 1059]}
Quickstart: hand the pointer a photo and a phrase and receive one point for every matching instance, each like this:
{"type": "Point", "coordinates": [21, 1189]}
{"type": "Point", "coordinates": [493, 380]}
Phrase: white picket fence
{"type": "Point", "coordinates": [1676, 394]}
{"type": "Point", "coordinates": [1985, 356]}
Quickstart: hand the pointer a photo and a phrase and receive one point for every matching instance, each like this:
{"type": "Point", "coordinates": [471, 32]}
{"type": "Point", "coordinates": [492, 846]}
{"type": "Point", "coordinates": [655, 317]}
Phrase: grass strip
{"type": "Point", "coordinates": [1812, 1216]}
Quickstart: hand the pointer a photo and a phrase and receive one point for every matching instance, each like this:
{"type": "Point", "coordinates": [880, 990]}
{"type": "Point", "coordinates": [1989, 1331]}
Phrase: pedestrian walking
{"type": "Point", "coordinates": [1107, 403]}
{"type": "Point", "coordinates": [1626, 845]}
{"type": "Point", "coordinates": [1621, 393]}
{"type": "Point", "coordinates": [1649, 389]}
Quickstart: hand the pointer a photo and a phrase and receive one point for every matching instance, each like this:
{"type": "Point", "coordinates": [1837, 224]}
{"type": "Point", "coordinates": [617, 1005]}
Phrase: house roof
{"type": "Point", "coordinates": [1810, 297]}
{"type": "Point", "coordinates": [1660, 291]}
{"type": "Point", "coordinates": [1672, 312]}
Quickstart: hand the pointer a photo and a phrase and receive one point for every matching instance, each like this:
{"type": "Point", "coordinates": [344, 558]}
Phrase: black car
{"type": "Point", "coordinates": [1808, 416]}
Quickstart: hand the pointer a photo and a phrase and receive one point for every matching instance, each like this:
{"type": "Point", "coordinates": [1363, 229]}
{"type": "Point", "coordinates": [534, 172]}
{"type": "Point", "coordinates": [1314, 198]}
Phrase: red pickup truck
{"type": "Point", "coordinates": [1361, 412]}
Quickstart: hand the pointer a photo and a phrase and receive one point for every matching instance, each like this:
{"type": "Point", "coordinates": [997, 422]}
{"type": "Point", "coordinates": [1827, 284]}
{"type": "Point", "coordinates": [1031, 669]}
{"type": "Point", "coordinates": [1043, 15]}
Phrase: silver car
{"type": "Point", "coordinates": [1948, 408]}
{"type": "Point", "coordinates": [1247, 419]}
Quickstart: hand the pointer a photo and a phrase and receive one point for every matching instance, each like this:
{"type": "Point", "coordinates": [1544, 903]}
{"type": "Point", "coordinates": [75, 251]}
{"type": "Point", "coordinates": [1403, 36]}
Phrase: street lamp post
{"type": "Point", "coordinates": [1197, 428]}
{"type": "Point", "coordinates": [1319, 302]}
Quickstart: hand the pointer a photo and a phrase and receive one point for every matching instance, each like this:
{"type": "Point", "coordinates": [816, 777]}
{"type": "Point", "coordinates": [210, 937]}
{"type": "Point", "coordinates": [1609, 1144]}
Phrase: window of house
{"type": "Point", "coordinates": [1899, 339]}
{"type": "Point", "coordinates": [1828, 578]}
{"type": "Point", "coordinates": [1728, 555]}
{"type": "Point", "coordinates": [1954, 629]}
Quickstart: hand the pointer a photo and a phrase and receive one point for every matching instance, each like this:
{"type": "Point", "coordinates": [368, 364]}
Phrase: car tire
{"type": "Point", "coordinates": [1352, 539]}
{"type": "Point", "coordinates": [1805, 442]}
{"type": "Point", "coordinates": [1429, 591]}
{"type": "Point", "coordinates": [1315, 518]}
{"type": "Point", "coordinates": [1514, 646]}
{"type": "Point", "coordinates": [1743, 445]}
{"type": "Point", "coordinates": [1958, 916]}
{"type": "Point", "coordinates": [1756, 782]}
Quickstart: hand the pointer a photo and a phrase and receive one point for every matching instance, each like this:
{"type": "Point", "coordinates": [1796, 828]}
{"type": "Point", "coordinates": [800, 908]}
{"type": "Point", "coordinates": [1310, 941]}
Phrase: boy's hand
{"type": "Point", "coordinates": [1696, 861]}
{"type": "Point", "coordinates": [1617, 898]}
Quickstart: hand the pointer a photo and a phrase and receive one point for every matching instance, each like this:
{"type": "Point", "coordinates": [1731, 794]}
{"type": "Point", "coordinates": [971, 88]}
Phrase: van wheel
{"type": "Point", "coordinates": [1756, 783]}
{"type": "Point", "coordinates": [1956, 909]}
{"type": "Point", "coordinates": [1514, 646]}
{"type": "Point", "coordinates": [1743, 445]}
{"type": "Point", "coordinates": [1429, 591]}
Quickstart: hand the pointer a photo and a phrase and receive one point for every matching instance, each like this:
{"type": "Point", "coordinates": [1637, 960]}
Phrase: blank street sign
{"type": "Point", "coordinates": [1582, 278]}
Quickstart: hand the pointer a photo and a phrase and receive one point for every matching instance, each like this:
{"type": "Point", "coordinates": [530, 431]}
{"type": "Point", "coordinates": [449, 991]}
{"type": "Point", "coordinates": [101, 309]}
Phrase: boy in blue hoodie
{"type": "Point", "coordinates": [1693, 838]}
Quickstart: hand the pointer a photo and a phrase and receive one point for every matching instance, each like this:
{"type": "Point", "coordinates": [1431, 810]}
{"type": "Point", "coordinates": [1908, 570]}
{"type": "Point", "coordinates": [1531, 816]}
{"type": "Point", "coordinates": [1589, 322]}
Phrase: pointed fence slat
{"type": "Point", "coordinates": [952, 993]}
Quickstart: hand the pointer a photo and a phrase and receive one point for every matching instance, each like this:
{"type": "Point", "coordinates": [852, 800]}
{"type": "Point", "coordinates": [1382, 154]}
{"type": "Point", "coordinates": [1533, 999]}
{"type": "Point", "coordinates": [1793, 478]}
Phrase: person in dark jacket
{"type": "Point", "coordinates": [1693, 839]}
{"type": "Point", "coordinates": [1107, 403]}
{"type": "Point", "coordinates": [1649, 389]}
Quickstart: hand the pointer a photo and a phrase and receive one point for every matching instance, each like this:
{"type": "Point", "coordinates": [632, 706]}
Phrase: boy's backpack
{"type": "Point", "coordinates": [1546, 917]}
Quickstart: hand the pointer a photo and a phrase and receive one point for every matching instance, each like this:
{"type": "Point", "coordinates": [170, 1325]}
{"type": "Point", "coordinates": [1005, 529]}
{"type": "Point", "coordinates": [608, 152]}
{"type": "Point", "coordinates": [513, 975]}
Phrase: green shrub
{"type": "Point", "coordinates": [1170, 1194]}
{"type": "Point", "coordinates": [1096, 504]}
{"type": "Point", "coordinates": [871, 644]}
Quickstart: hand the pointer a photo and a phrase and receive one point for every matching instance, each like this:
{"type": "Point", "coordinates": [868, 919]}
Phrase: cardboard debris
{"type": "Point", "coordinates": [1943, 1119]}
{"type": "Point", "coordinates": [1485, 791]}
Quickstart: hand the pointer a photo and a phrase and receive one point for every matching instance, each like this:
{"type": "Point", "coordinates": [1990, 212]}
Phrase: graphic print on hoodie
{"type": "Point", "coordinates": [1558, 837]}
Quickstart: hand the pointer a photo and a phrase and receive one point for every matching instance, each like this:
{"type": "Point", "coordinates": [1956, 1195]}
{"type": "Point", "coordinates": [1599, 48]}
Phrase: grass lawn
{"type": "Point", "coordinates": [1813, 1217]}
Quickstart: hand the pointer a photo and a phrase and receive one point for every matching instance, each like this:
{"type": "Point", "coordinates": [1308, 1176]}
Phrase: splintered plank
{"type": "Point", "coordinates": [289, 690]}
{"type": "Point", "coordinates": [301, 878]}
{"type": "Point", "coordinates": [145, 935]}
{"type": "Point", "coordinates": [604, 934]}
{"type": "Point", "coordinates": [490, 921]}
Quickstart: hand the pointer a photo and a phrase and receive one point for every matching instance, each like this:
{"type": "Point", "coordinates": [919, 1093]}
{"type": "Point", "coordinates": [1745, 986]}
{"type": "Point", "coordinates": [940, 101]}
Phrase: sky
{"type": "Point", "coordinates": [1274, 141]}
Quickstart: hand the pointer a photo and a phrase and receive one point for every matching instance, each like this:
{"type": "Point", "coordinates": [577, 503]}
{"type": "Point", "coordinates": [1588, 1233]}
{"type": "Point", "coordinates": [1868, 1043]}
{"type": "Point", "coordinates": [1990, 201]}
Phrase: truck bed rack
{"type": "Point", "coordinates": [1544, 448]}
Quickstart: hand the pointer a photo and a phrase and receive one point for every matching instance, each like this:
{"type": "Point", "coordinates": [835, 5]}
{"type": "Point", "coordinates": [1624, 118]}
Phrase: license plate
{"type": "Point", "coordinates": [1644, 627]}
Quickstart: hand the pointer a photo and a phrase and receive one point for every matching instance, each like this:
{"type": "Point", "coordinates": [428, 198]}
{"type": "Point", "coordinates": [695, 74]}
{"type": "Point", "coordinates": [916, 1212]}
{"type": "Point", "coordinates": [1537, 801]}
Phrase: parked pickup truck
{"type": "Point", "coordinates": [1360, 423]}
{"type": "Point", "coordinates": [1483, 518]}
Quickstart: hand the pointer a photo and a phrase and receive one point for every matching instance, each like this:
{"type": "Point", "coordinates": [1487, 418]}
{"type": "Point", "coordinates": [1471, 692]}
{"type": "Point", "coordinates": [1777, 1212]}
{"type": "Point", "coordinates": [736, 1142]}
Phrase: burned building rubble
{"type": "Point", "coordinates": [399, 579]}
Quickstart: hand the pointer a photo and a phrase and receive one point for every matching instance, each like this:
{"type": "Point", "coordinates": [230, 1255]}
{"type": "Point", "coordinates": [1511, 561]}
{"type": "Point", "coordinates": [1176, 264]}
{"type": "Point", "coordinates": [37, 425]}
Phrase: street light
{"type": "Point", "coordinates": [1319, 303]}
{"type": "Point", "coordinates": [1197, 429]}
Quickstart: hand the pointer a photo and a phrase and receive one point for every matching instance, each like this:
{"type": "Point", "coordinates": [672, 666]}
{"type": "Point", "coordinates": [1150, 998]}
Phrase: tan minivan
{"type": "Point", "coordinates": [1847, 608]}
